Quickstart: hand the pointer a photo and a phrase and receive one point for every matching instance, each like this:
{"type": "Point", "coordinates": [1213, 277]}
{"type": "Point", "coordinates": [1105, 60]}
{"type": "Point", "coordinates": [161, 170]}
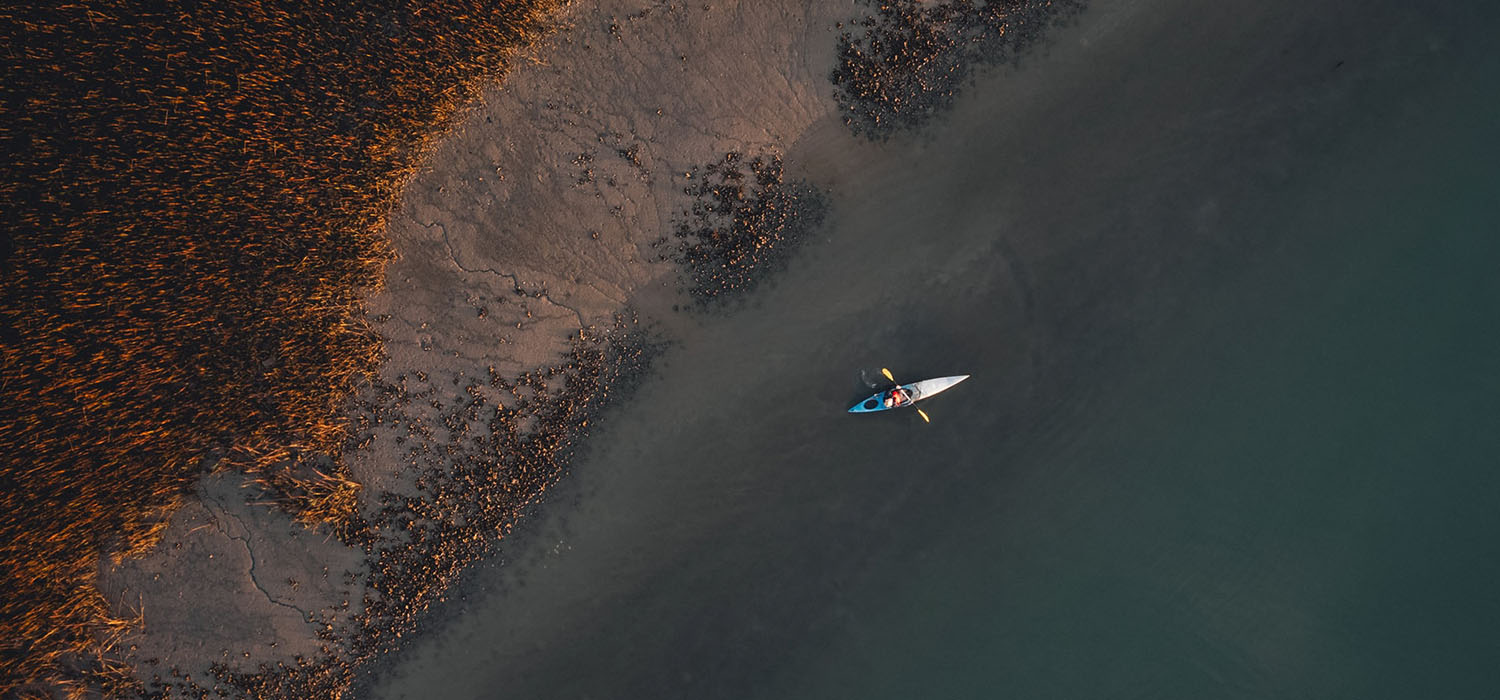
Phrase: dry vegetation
{"type": "Point", "coordinates": [195, 200]}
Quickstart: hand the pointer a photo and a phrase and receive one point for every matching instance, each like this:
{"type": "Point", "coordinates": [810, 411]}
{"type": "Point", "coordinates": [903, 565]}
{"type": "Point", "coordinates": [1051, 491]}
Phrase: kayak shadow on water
{"type": "Point", "coordinates": [874, 380]}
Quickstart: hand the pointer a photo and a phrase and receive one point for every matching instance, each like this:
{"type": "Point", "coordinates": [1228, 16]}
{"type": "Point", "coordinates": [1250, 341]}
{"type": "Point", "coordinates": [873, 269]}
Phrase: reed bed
{"type": "Point", "coordinates": [196, 195]}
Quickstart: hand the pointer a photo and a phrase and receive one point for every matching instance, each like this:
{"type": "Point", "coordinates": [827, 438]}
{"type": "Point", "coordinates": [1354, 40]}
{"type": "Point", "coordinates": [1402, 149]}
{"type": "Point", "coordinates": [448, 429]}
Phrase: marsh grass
{"type": "Point", "coordinates": [196, 196]}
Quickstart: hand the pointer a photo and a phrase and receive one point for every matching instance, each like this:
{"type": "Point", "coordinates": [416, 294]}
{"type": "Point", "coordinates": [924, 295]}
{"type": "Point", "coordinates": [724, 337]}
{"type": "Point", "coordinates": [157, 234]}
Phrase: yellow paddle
{"type": "Point", "coordinates": [888, 375]}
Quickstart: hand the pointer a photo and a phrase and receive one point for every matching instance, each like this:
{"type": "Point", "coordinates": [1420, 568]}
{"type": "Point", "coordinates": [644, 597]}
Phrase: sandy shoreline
{"type": "Point", "coordinates": [538, 219]}
{"type": "Point", "coordinates": [1051, 219]}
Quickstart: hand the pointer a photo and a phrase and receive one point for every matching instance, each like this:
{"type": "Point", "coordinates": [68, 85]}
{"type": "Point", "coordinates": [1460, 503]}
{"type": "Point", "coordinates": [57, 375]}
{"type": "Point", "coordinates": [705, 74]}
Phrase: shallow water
{"type": "Point", "coordinates": [1223, 279]}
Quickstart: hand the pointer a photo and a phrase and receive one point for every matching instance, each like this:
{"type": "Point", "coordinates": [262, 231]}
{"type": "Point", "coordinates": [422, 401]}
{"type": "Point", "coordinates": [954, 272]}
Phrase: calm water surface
{"type": "Point", "coordinates": [1225, 279]}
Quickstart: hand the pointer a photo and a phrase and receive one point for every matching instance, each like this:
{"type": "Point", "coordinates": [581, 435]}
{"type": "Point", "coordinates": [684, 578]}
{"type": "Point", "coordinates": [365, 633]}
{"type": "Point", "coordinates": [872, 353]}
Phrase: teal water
{"type": "Point", "coordinates": [1224, 277]}
{"type": "Point", "coordinates": [1294, 491]}
{"type": "Point", "coordinates": [1288, 501]}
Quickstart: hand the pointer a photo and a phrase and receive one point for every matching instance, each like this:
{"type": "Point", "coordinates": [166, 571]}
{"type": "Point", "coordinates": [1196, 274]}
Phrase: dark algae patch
{"type": "Point", "coordinates": [195, 201]}
{"type": "Point", "coordinates": [905, 61]}
{"type": "Point", "coordinates": [744, 223]}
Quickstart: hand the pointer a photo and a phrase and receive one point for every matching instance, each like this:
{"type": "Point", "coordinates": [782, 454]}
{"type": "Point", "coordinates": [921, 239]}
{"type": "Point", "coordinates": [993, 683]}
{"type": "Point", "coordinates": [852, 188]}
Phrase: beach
{"type": "Point", "coordinates": [538, 258]}
{"type": "Point", "coordinates": [1202, 263]}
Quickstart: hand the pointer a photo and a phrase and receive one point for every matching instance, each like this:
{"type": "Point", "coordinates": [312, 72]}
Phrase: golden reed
{"type": "Point", "coordinates": [195, 195]}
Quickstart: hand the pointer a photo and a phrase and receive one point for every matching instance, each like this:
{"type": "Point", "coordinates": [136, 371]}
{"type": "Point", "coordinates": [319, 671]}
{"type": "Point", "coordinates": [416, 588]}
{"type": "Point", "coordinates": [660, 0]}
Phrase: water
{"type": "Point", "coordinates": [1285, 501]}
{"type": "Point", "coordinates": [1224, 281]}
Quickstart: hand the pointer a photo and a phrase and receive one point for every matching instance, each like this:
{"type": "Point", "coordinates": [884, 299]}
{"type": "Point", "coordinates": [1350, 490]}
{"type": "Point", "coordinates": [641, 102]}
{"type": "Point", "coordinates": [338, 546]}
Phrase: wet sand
{"type": "Point", "coordinates": [714, 535]}
{"type": "Point", "coordinates": [557, 211]}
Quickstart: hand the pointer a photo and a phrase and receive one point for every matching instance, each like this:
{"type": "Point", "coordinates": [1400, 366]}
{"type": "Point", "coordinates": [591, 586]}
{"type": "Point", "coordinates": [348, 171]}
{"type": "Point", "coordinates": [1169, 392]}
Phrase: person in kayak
{"type": "Point", "coordinates": [897, 398]}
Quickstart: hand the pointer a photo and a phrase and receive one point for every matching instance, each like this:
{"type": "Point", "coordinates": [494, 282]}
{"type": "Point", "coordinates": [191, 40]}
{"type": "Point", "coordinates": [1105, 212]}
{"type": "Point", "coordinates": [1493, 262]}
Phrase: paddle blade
{"type": "Point", "coordinates": [923, 414]}
{"type": "Point", "coordinates": [887, 374]}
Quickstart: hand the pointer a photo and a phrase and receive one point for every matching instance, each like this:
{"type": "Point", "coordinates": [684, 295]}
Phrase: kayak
{"type": "Point", "coordinates": [924, 389]}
